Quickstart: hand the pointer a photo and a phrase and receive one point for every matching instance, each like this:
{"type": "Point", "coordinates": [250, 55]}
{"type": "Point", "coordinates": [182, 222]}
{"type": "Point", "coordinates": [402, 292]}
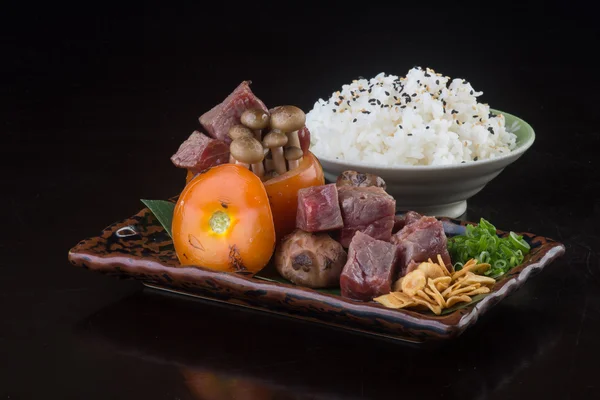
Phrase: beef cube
{"type": "Point", "coordinates": [419, 241]}
{"type": "Point", "coordinates": [370, 268]}
{"type": "Point", "coordinates": [221, 117]}
{"type": "Point", "coordinates": [400, 221]}
{"type": "Point", "coordinates": [369, 210]}
{"type": "Point", "coordinates": [200, 152]}
{"type": "Point", "coordinates": [319, 209]}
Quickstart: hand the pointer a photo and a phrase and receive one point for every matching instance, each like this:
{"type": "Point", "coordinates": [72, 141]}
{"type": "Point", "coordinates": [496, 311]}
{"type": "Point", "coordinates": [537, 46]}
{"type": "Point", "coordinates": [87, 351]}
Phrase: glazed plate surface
{"type": "Point", "coordinates": [139, 248]}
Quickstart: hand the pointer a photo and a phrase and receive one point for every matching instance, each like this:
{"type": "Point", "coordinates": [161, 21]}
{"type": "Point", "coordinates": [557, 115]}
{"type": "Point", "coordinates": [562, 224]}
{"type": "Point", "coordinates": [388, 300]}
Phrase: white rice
{"type": "Point", "coordinates": [421, 119]}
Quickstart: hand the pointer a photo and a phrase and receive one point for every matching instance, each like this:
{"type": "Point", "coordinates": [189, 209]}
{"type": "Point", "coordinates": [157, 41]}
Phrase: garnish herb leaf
{"type": "Point", "coordinates": [163, 210]}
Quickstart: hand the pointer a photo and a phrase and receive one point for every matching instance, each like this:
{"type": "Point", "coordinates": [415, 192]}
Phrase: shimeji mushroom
{"type": "Point", "coordinates": [247, 150]}
{"type": "Point", "coordinates": [255, 119]}
{"type": "Point", "coordinates": [288, 119]}
{"type": "Point", "coordinates": [236, 132]}
{"type": "Point", "coordinates": [293, 155]}
{"type": "Point", "coordinates": [275, 140]}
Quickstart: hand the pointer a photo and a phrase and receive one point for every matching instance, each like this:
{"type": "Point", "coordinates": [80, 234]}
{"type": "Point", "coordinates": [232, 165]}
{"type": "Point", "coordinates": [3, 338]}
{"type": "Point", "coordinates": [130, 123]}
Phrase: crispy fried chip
{"type": "Point", "coordinates": [442, 283]}
{"type": "Point", "coordinates": [402, 297]}
{"type": "Point", "coordinates": [389, 301]}
{"type": "Point", "coordinates": [471, 278]}
{"type": "Point", "coordinates": [483, 289]}
{"type": "Point", "coordinates": [437, 310]}
{"type": "Point", "coordinates": [397, 286]}
{"type": "Point", "coordinates": [413, 281]}
{"type": "Point", "coordinates": [464, 289]}
{"type": "Point", "coordinates": [451, 288]}
{"type": "Point", "coordinates": [424, 296]}
{"type": "Point", "coordinates": [431, 270]}
{"type": "Point", "coordinates": [432, 291]}
{"type": "Point", "coordinates": [441, 263]}
{"type": "Point", "coordinates": [472, 267]}
{"type": "Point", "coordinates": [457, 299]}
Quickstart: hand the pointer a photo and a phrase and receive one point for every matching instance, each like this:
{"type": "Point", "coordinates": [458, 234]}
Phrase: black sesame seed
{"type": "Point", "coordinates": [475, 116]}
{"type": "Point", "coordinates": [400, 126]}
{"type": "Point", "coordinates": [387, 93]}
{"type": "Point", "coordinates": [414, 95]}
{"type": "Point", "coordinates": [419, 81]}
{"type": "Point", "coordinates": [341, 97]}
{"type": "Point", "coordinates": [402, 106]}
{"type": "Point", "coordinates": [378, 102]}
{"type": "Point", "coordinates": [336, 103]}
{"type": "Point", "coordinates": [366, 112]}
{"type": "Point", "coordinates": [333, 109]}
{"type": "Point", "coordinates": [362, 90]}
{"type": "Point", "coordinates": [454, 112]}
{"type": "Point", "coordinates": [491, 130]}
{"type": "Point", "coordinates": [462, 162]}
{"type": "Point", "coordinates": [427, 127]}
{"type": "Point", "coordinates": [437, 81]}
{"type": "Point", "coordinates": [475, 159]}
{"type": "Point", "coordinates": [348, 102]}
{"type": "Point", "coordinates": [471, 92]}
{"type": "Point", "coordinates": [444, 103]}
{"type": "Point", "coordinates": [410, 134]}
{"type": "Point", "coordinates": [491, 115]}
{"type": "Point", "coordinates": [369, 90]}
{"type": "Point", "coordinates": [397, 104]}
{"type": "Point", "coordinates": [354, 120]}
{"type": "Point", "coordinates": [395, 98]}
{"type": "Point", "coordinates": [427, 75]}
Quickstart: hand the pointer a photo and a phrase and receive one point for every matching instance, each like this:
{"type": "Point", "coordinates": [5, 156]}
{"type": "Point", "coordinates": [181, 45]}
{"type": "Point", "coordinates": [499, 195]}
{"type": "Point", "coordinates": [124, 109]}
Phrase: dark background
{"type": "Point", "coordinates": [94, 99]}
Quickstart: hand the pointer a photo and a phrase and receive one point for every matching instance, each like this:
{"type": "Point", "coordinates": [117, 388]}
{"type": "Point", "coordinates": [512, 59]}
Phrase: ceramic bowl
{"type": "Point", "coordinates": [440, 191]}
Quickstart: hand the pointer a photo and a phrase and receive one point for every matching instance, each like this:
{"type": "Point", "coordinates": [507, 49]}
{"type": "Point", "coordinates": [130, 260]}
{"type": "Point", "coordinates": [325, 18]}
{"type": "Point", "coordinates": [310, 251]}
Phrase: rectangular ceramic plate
{"type": "Point", "coordinates": [139, 248]}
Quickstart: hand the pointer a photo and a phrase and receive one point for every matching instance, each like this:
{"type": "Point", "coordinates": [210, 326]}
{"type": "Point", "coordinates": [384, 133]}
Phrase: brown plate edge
{"type": "Point", "coordinates": [396, 324]}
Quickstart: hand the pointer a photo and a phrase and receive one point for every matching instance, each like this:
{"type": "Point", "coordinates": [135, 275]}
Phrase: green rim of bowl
{"type": "Point", "coordinates": [525, 138]}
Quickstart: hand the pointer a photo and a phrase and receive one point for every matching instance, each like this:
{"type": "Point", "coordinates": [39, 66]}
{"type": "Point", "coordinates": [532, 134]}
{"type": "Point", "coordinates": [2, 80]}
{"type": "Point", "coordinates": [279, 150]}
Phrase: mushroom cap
{"type": "Point", "coordinates": [255, 118]}
{"type": "Point", "coordinates": [237, 131]}
{"type": "Point", "coordinates": [293, 153]}
{"type": "Point", "coordinates": [275, 139]}
{"type": "Point", "coordinates": [247, 150]}
{"type": "Point", "coordinates": [287, 118]}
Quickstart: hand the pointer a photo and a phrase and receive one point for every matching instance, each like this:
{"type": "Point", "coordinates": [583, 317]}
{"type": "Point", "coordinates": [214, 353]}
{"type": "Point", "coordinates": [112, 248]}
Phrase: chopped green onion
{"type": "Point", "coordinates": [482, 243]}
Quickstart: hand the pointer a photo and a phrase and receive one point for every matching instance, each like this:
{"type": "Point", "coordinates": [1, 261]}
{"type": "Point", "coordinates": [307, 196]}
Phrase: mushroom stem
{"type": "Point", "coordinates": [258, 169]}
{"type": "Point", "coordinates": [258, 134]}
{"type": "Point", "coordinates": [269, 164]}
{"type": "Point", "coordinates": [294, 163]}
{"type": "Point", "coordinates": [293, 139]}
{"type": "Point", "coordinates": [242, 164]}
{"type": "Point", "coordinates": [279, 160]}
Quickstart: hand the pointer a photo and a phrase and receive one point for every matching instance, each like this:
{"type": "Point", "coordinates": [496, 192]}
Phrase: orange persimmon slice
{"type": "Point", "coordinates": [223, 221]}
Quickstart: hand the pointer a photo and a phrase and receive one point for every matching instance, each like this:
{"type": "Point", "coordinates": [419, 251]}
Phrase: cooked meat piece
{"type": "Point", "coordinates": [369, 210]}
{"type": "Point", "coordinates": [353, 178]}
{"type": "Point", "coordinates": [319, 209]}
{"type": "Point", "coordinates": [419, 241]}
{"type": "Point", "coordinates": [304, 137]}
{"type": "Point", "coordinates": [223, 116]}
{"type": "Point", "coordinates": [400, 221]}
{"type": "Point", "coordinates": [309, 259]}
{"type": "Point", "coordinates": [370, 268]}
{"type": "Point", "coordinates": [200, 152]}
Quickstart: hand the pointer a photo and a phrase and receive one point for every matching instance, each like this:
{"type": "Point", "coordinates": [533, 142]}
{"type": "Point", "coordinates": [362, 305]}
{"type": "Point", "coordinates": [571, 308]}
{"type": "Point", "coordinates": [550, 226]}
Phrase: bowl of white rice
{"type": "Point", "coordinates": [424, 133]}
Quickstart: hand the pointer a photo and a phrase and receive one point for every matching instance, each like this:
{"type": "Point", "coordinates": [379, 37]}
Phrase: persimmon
{"type": "Point", "coordinates": [223, 221]}
{"type": "Point", "coordinates": [283, 192]}
{"type": "Point", "coordinates": [190, 175]}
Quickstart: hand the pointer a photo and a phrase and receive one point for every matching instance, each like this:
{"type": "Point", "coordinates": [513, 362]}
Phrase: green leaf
{"type": "Point", "coordinates": [163, 210]}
